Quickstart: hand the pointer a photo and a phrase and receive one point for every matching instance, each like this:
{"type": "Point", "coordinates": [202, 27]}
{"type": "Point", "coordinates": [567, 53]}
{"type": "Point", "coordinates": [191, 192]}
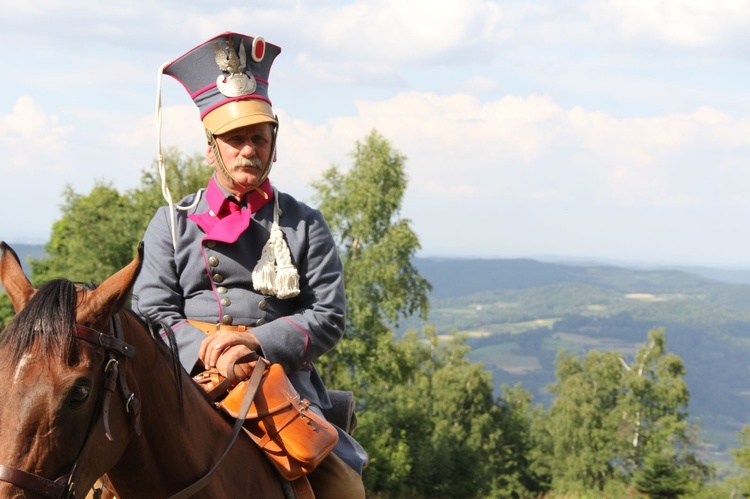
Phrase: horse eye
{"type": "Point", "coordinates": [79, 394]}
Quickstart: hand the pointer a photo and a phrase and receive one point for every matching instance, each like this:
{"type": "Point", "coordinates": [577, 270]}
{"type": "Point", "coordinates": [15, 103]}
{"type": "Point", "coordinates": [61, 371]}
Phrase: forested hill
{"type": "Point", "coordinates": [518, 313]}
{"type": "Point", "coordinates": [460, 277]}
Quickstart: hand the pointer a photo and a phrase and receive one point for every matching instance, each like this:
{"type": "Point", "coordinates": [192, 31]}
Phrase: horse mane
{"type": "Point", "coordinates": [47, 321]}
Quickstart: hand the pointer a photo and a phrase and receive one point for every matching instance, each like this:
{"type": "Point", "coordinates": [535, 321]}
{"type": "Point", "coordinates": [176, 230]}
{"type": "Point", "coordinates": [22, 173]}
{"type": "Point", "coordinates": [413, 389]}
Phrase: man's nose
{"type": "Point", "coordinates": [247, 150]}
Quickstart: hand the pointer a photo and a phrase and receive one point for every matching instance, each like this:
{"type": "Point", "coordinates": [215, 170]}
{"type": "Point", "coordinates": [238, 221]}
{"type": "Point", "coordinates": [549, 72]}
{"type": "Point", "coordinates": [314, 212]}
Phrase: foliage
{"type": "Point", "coordinates": [741, 457]}
{"type": "Point", "coordinates": [95, 237]}
{"type": "Point", "coordinates": [433, 429]}
{"type": "Point", "coordinates": [608, 418]}
{"type": "Point", "coordinates": [661, 477]}
{"type": "Point", "coordinates": [6, 310]}
{"type": "Point", "coordinates": [98, 233]}
{"type": "Point", "coordinates": [362, 207]}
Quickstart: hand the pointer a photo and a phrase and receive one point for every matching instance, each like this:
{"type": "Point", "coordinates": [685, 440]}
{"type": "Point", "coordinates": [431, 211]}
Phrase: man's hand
{"type": "Point", "coordinates": [223, 348]}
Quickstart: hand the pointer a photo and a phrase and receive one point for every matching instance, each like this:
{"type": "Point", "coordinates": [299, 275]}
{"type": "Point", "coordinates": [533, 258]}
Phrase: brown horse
{"type": "Point", "coordinates": [87, 390]}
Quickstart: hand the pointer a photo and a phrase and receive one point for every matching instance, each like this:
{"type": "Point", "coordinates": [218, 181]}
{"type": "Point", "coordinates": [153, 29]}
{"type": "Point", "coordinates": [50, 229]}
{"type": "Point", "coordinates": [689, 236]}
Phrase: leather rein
{"type": "Point", "coordinates": [118, 351]}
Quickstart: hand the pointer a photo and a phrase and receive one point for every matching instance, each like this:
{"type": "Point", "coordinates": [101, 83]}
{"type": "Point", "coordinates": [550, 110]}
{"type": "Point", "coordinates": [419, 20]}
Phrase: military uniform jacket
{"type": "Point", "coordinates": [208, 278]}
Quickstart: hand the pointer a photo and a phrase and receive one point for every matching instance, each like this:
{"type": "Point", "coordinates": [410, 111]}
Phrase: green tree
{"type": "Point", "coordinates": [583, 423]}
{"type": "Point", "coordinates": [98, 233]}
{"type": "Point", "coordinates": [661, 477]}
{"type": "Point", "coordinates": [95, 237]}
{"type": "Point", "coordinates": [741, 457]}
{"type": "Point", "coordinates": [427, 415]}
{"type": "Point", "coordinates": [433, 428]}
{"type": "Point", "coordinates": [609, 417]}
{"type": "Point", "coordinates": [362, 208]}
{"type": "Point", "coordinates": [655, 410]}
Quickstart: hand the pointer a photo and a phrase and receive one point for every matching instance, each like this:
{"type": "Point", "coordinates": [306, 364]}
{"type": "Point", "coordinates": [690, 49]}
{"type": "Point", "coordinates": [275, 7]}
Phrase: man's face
{"type": "Point", "coordinates": [245, 151]}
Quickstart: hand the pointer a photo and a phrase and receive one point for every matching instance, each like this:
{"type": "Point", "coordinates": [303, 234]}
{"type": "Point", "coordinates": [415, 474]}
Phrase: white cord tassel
{"type": "Point", "coordinates": [264, 274]}
{"type": "Point", "coordinates": [274, 273]}
{"type": "Point", "coordinates": [287, 278]}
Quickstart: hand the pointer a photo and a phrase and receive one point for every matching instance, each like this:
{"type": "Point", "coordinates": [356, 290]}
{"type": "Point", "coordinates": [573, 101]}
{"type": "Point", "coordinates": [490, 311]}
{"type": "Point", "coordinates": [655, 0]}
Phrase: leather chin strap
{"type": "Point", "coordinates": [266, 170]}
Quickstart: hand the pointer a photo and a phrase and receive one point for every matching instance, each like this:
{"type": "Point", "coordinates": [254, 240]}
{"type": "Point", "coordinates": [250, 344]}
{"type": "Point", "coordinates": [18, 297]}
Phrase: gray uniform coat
{"type": "Point", "coordinates": [210, 281]}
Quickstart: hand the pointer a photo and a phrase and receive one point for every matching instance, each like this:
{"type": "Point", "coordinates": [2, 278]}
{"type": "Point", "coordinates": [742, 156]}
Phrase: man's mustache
{"type": "Point", "coordinates": [254, 162]}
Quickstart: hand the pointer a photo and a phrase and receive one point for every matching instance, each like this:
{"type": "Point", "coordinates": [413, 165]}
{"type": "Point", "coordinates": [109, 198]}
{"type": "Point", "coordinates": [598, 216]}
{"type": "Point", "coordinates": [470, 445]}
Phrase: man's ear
{"type": "Point", "coordinates": [210, 157]}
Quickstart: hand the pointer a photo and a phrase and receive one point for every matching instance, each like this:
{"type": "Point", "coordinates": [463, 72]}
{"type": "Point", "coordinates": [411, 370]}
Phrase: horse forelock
{"type": "Point", "coordinates": [46, 324]}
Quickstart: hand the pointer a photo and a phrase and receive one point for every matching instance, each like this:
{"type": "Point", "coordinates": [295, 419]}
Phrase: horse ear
{"type": "Point", "coordinates": [14, 280]}
{"type": "Point", "coordinates": [96, 307]}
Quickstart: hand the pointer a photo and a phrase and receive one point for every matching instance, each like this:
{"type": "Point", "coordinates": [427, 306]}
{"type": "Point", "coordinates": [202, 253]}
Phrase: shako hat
{"type": "Point", "coordinates": [227, 78]}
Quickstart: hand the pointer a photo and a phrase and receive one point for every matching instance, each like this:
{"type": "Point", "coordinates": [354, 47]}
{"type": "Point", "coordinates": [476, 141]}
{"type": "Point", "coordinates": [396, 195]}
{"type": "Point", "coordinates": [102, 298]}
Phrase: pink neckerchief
{"type": "Point", "coordinates": [225, 220]}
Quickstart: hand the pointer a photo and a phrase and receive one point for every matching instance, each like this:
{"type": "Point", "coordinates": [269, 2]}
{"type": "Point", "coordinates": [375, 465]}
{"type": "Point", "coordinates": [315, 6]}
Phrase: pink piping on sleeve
{"type": "Point", "coordinates": [177, 326]}
{"type": "Point", "coordinates": [307, 335]}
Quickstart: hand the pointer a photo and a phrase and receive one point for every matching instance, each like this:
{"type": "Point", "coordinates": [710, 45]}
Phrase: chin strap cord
{"type": "Point", "coordinates": [163, 169]}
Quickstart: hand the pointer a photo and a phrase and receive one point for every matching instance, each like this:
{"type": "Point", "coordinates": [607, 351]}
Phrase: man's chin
{"type": "Point", "coordinates": [247, 180]}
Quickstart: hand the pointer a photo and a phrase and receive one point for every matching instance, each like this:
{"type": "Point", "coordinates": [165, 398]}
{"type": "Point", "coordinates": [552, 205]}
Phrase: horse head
{"type": "Point", "coordinates": [56, 435]}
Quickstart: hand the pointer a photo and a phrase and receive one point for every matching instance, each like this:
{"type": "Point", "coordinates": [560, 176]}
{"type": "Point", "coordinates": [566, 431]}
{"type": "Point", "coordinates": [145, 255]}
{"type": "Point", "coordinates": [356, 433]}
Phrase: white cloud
{"type": "Point", "coordinates": [533, 148]}
{"type": "Point", "coordinates": [685, 23]}
{"type": "Point", "coordinates": [34, 140]}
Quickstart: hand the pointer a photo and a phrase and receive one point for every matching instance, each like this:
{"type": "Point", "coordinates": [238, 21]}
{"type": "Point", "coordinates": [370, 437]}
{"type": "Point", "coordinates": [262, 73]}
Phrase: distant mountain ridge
{"type": "Point", "coordinates": [460, 277]}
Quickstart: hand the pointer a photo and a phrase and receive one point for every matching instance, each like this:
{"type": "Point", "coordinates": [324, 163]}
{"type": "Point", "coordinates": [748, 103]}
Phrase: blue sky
{"type": "Point", "coordinates": [616, 130]}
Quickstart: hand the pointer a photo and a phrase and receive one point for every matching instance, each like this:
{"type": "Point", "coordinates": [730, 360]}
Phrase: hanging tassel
{"type": "Point", "coordinates": [264, 273]}
{"type": "Point", "coordinates": [287, 277]}
{"type": "Point", "coordinates": [274, 274]}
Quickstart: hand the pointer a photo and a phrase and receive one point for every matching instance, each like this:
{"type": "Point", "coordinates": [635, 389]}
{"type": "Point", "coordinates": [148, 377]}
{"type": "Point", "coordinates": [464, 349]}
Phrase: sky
{"type": "Point", "coordinates": [610, 130]}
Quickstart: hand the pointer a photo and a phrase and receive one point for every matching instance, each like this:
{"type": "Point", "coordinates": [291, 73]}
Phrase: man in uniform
{"type": "Point", "coordinates": [242, 267]}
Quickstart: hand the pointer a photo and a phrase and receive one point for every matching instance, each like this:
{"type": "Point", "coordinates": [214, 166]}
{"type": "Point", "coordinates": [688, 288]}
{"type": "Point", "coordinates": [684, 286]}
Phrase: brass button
{"type": "Point", "coordinates": [263, 304]}
{"type": "Point", "coordinates": [226, 302]}
{"type": "Point", "coordinates": [218, 277]}
{"type": "Point", "coordinates": [221, 290]}
{"type": "Point", "coordinates": [260, 322]}
{"type": "Point", "coordinates": [210, 244]}
{"type": "Point", "coordinates": [226, 319]}
{"type": "Point", "coordinates": [213, 261]}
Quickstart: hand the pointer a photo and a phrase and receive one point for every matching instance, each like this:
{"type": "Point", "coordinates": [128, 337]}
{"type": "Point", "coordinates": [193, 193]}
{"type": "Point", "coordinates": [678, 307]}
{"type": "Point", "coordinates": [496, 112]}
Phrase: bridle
{"type": "Point", "coordinates": [118, 351]}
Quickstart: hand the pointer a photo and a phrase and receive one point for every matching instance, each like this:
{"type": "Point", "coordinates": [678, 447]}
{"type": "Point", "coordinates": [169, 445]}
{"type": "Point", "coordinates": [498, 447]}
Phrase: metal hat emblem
{"type": "Point", "coordinates": [238, 83]}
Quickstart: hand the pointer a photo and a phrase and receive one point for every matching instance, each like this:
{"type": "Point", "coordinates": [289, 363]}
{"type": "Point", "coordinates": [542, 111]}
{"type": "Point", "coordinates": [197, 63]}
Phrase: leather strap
{"type": "Point", "coordinates": [211, 328]}
{"type": "Point", "coordinates": [252, 387]}
{"type": "Point", "coordinates": [27, 481]}
{"type": "Point", "coordinates": [105, 341]}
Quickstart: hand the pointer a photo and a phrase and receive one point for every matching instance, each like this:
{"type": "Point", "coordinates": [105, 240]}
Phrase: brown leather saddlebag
{"type": "Point", "coordinates": [285, 426]}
